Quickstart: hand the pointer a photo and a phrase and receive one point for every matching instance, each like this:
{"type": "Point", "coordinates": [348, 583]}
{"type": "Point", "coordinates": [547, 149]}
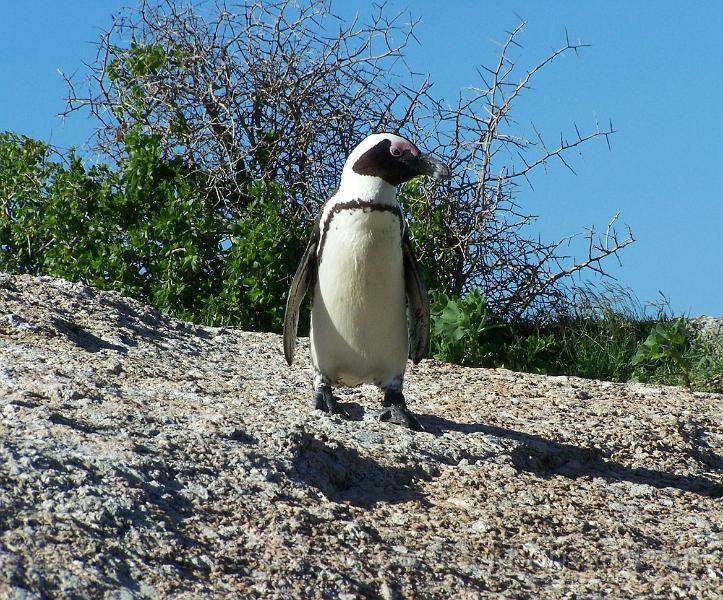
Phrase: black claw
{"type": "Point", "coordinates": [324, 400]}
{"type": "Point", "coordinates": [395, 411]}
{"type": "Point", "coordinates": [399, 414]}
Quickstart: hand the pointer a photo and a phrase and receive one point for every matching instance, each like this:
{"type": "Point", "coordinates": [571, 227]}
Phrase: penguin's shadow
{"type": "Point", "coordinates": [345, 475]}
{"type": "Point", "coordinates": [353, 411]}
{"type": "Point", "coordinates": [547, 458]}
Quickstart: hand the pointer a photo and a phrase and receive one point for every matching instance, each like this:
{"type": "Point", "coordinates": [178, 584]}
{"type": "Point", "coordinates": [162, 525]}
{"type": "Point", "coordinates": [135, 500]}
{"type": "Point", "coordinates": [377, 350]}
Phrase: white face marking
{"type": "Point", "coordinates": [370, 141]}
{"type": "Point", "coordinates": [398, 147]}
{"type": "Point", "coordinates": [367, 187]}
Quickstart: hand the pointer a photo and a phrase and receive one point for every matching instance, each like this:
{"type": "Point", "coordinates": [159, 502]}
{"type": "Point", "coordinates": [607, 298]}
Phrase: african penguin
{"type": "Point", "coordinates": [365, 280]}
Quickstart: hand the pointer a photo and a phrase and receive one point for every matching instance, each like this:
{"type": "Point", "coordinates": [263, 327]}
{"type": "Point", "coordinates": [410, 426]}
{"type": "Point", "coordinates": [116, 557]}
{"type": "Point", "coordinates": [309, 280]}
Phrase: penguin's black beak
{"type": "Point", "coordinates": [436, 169]}
{"type": "Point", "coordinates": [424, 164]}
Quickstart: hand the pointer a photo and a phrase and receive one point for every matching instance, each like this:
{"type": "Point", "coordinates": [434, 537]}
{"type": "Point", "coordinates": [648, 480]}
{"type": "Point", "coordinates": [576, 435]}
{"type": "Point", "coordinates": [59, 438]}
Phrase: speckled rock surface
{"type": "Point", "coordinates": [712, 326]}
{"type": "Point", "coordinates": [142, 457]}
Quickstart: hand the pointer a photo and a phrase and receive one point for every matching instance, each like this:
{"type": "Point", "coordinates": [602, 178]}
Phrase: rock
{"type": "Point", "coordinates": [711, 327]}
{"type": "Point", "coordinates": [142, 457]}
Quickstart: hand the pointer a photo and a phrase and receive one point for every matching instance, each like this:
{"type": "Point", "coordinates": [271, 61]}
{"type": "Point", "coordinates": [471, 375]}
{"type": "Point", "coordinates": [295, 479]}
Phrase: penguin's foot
{"type": "Point", "coordinates": [324, 400]}
{"type": "Point", "coordinates": [395, 411]}
{"type": "Point", "coordinates": [401, 416]}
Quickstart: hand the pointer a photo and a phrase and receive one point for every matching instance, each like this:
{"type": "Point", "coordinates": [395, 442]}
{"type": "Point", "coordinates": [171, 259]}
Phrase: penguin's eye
{"type": "Point", "coordinates": [396, 152]}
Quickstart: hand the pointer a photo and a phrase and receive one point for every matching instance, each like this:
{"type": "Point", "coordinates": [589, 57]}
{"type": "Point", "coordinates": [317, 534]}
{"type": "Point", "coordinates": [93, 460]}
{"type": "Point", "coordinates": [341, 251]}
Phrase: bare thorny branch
{"type": "Point", "coordinates": [259, 91]}
{"type": "Point", "coordinates": [281, 91]}
{"type": "Point", "coordinates": [518, 275]}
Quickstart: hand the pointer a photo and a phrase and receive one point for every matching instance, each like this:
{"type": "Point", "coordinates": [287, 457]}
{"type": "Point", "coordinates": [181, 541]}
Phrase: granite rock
{"type": "Point", "coordinates": [144, 457]}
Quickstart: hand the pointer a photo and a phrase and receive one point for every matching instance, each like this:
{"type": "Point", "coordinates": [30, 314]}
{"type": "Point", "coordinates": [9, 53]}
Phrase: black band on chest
{"type": "Point", "coordinates": [363, 205]}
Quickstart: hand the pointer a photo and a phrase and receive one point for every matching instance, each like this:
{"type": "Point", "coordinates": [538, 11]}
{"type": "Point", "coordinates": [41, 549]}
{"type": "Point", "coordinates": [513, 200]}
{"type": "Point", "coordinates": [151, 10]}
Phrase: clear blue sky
{"type": "Point", "coordinates": [654, 69]}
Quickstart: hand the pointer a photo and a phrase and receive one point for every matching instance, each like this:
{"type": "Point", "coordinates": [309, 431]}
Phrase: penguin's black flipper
{"type": "Point", "coordinates": [304, 278]}
{"type": "Point", "coordinates": [417, 301]}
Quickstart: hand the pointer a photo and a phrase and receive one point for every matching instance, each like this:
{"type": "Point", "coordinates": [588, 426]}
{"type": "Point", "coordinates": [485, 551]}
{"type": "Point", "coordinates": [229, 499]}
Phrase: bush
{"type": "Point", "coordinates": [262, 257]}
{"type": "Point", "coordinates": [674, 354]}
{"type": "Point", "coordinates": [281, 91]}
{"type": "Point", "coordinates": [146, 230]}
{"type": "Point", "coordinates": [597, 347]}
{"type": "Point", "coordinates": [603, 336]}
{"type": "Point", "coordinates": [666, 343]}
{"type": "Point", "coordinates": [461, 328]}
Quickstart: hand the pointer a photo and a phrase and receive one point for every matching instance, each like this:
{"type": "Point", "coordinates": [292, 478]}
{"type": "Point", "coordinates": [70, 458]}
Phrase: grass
{"type": "Point", "coordinates": [602, 334]}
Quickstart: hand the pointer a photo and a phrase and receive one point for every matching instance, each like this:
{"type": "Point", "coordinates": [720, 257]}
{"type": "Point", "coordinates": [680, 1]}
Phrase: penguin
{"type": "Point", "coordinates": [369, 303]}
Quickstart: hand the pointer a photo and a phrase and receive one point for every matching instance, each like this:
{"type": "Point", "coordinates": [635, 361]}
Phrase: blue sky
{"type": "Point", "coordinates": [654, 69]}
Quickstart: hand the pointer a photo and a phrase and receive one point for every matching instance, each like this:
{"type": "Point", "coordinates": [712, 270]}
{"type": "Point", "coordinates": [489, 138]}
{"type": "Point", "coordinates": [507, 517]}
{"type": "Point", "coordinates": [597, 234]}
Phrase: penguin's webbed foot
{"type": "Point", "coordinates": [395, 411]}
{"type": "Point", "coordinates": [401, 416]}
{"type": "Point", "coordinates": [324, 400]}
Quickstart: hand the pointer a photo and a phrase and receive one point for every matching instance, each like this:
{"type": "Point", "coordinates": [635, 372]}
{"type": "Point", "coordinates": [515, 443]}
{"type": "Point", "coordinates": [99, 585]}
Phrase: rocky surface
{"type": "Point", "coordinates": [711, 328]}
{"type": "Point", "coordinates": [142, 457]}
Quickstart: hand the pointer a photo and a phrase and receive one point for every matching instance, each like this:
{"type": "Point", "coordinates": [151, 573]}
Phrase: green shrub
{"type": "Point", "coordinates": [706, 360]}
{"type": "Point", "coordinates": [666, 343]}
{"type": "Point", "coordinates": [673, 354]}
{"type": "Point", "coordinates": [264, 252]}
{"type": "Point", "coordinates": [428, 225]}
{"type": "Point", "coordinates": [460, 329]}
{"type": "Point", "coordinates": [148, 231]}
{"type": "Point", "coordinates": [605, 337]}
{"type": "Point", "coordinates": [597, 348]}
{"type": "Point", "coordinates": [588, 343]}
{"type": "Point", "coordinates": [531, 351]}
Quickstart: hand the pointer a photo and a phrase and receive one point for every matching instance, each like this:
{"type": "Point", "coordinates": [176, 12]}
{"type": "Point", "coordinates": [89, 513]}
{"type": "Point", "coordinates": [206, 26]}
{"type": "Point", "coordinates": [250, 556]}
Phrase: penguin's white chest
{"type": "Point", "coordinates": [358, 317]}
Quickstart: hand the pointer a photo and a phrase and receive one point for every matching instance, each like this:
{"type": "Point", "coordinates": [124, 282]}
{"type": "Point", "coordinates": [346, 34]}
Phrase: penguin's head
{"type": "Point", "coordinates": [392, 159]}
